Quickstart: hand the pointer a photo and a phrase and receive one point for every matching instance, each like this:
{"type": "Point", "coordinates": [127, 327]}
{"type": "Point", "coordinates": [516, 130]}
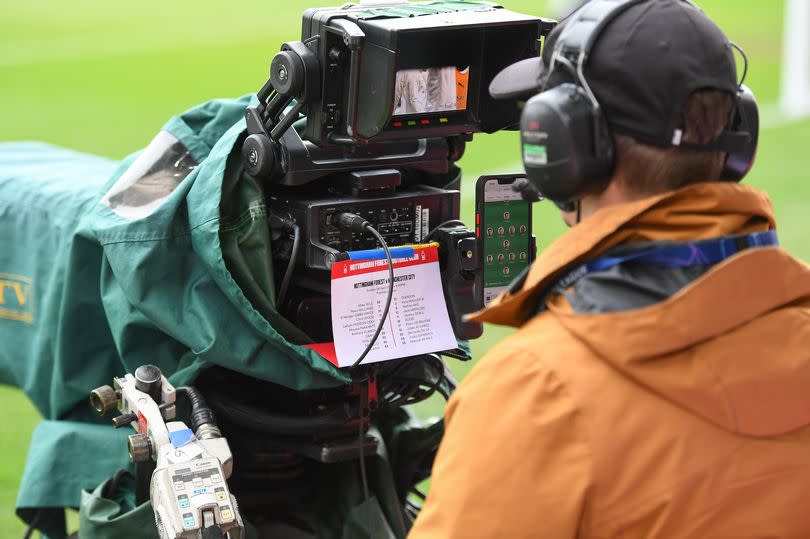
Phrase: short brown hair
{"type": "Point", "coordinates": [648, 170]}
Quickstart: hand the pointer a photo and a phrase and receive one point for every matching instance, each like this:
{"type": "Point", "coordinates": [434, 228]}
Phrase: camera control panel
{"type": "Point", "coordinates": [403, 217]}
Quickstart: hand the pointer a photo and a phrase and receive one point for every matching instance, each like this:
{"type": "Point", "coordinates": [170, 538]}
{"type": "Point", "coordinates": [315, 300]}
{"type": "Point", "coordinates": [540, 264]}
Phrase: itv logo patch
{"type": "Point", "coordinates": [16, 298]}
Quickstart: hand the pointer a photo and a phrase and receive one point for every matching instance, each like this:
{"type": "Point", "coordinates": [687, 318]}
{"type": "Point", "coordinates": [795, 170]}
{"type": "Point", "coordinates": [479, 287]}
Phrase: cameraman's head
{"type": "Point", "coordinates": [643, 170]}
{"type": "Point", "coordinates": [660, 76]}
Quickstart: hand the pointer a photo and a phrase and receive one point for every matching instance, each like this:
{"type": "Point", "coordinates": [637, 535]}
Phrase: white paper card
{"type": "Point", "coordinates": [417, 321]}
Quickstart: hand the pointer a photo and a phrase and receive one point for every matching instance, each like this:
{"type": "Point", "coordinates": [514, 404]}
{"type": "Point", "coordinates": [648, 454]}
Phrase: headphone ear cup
{"type": "Point", "coordinates": [604, 150]}
{"type": "Point", "coordinates": [567, 148]}
{"type": "Point", "coordinates": [745, 120]}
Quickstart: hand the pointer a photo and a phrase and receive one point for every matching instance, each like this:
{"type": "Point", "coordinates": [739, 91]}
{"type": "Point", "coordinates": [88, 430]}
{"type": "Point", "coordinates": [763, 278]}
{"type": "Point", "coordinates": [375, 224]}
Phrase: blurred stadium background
{"type": "Point", "coordinates": [102, 77]}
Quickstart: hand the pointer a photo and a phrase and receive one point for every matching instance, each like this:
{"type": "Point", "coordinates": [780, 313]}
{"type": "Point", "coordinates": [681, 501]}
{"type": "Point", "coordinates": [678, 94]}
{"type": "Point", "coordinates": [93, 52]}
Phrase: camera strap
{"type": "Point", "coordinates": [674, 255]}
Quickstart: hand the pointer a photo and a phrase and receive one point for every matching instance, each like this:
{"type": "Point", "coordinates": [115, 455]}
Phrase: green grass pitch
{"type": "Point", "coordinates": [102, 77]}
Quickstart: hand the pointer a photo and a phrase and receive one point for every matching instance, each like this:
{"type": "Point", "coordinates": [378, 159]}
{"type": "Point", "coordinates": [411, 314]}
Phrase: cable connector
{"type": "Point", "coordinates": [350, 221]}
{"type": "Point", "coordinates": [278, 221]}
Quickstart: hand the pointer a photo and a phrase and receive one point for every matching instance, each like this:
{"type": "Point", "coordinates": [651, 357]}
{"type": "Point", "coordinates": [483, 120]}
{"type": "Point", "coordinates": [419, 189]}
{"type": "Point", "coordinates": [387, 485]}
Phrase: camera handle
{"type": "Point", "coordinates": [186, 469]}
{"type": "Point", "coordinates": [294, 76]}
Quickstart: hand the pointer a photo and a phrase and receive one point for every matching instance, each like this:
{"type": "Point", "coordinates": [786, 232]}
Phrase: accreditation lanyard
{"type": "Point", "coordinates": [676, 255]}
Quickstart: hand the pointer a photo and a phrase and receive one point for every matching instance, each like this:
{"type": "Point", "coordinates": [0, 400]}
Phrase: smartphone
{"type": "Point", "coordinates": [503, 229]}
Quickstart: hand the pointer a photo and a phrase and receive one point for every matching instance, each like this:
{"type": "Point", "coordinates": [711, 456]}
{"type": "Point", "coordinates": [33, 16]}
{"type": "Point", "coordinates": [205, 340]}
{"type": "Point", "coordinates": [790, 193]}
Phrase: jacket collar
{"type": "Point", "coordinates": [699, 211]}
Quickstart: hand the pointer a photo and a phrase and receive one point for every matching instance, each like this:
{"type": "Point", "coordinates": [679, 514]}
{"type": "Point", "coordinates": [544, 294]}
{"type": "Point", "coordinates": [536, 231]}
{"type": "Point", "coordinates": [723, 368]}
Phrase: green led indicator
{"type": "Point", "coordinates": [412, 122]}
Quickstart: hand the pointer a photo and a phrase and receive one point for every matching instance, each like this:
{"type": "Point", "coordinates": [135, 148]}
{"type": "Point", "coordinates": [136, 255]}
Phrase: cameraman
{"type": "Point", "coordinates": [641, 398]}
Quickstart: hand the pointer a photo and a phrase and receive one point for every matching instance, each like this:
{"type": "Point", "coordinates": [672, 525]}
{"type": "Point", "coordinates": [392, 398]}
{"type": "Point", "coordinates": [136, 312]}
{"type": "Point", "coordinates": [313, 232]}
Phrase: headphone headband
{"type": "Point", "coordinates": [581, 32]}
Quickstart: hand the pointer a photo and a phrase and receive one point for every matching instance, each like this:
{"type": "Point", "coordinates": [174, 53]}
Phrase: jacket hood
{"type": "Point", "coordinates": [733, 347]}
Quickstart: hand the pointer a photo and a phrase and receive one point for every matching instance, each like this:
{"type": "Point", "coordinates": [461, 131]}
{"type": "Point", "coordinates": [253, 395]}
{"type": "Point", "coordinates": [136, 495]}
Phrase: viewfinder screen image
{"type": "Point", "coordinates": [433, 89]}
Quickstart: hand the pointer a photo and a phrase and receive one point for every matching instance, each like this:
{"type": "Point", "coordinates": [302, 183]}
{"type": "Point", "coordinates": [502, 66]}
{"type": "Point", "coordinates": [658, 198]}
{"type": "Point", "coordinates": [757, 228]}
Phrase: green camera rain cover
{"type": "Point", "coordinates": [163, 258]}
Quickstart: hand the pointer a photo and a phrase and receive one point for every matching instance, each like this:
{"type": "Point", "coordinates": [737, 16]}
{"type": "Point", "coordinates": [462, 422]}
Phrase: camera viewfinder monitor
{"type": "Point", "coordinates": [387, 76]}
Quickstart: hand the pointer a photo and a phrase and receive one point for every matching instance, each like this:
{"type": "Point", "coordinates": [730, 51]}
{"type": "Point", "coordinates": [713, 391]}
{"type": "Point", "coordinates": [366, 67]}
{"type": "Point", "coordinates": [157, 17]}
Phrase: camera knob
{"type": "Point", "coordinates": [104, 400]}
{"type": "Point", "coordinates": [148, 380]}
{"type": "Point", "coordinates": [139, 446]}
{"type": "Point", "coordinates": [258, 156]}
{"type": "Point", "coordinates": [287, 73]}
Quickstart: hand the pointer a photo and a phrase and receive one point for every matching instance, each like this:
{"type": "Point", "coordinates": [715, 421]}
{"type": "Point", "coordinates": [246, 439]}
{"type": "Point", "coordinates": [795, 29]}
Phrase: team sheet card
{"type": "Point", "coordinates": [417, 322]}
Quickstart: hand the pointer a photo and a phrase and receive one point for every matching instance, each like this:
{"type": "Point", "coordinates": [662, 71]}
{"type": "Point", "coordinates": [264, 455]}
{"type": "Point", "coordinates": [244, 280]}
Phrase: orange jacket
{"type": "Point", "coordinates": [687, 418]}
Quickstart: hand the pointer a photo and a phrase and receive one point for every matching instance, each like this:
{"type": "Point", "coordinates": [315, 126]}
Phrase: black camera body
{"type": "Point", "coordinates": [367, 115]}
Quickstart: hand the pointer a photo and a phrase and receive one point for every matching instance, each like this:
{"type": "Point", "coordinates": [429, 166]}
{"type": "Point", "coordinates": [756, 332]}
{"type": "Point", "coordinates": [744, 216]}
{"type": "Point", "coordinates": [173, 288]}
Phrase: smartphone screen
{"type": "Point", "coordinates": [504, 233]}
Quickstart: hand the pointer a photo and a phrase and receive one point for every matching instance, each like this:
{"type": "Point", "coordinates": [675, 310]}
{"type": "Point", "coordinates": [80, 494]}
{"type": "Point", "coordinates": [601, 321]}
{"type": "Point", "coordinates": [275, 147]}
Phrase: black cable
{"type": "Point", "coordinates": [745, 61]}
{"type": "Point", "coordinates": [398, 390]}
{"type": "Point", "coordinates": [431, 387]}
{"type": "Point", "coordinates": [355, 223]}
{"type": "Point", "coordinates": [405, 390]}
{"type": "Point", "coordinates": [446, 223]}
{"type": "Point", "coordinates": [439, 366]}
{"type": "Point", "coordinates": [200, 414]}
{"type": "Point", "coordinates": [285, 282]}
{"type": "Point", "coordinates": [364, 477]}
{"type": "Point", "coordinates": [112, 486]}
{"type": "Point", "coordinates": [404, 395]}
{"type": "Point", "coordinates": [387, 299]}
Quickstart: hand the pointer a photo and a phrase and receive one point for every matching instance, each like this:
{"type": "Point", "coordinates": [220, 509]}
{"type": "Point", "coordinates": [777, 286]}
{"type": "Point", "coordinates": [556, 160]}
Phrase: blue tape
{"type": "Point", "coordinates": [379, 254]}
{"type": "Point", "coordinates": [179, 438]}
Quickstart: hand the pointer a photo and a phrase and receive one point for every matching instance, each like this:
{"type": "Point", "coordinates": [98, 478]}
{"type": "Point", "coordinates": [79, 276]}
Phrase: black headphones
{"type": "Point", "coordinates": [567, 145]}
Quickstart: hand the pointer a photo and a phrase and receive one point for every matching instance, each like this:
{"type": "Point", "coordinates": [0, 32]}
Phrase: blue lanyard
{"type": "Point", "coordinates": [679, 255]}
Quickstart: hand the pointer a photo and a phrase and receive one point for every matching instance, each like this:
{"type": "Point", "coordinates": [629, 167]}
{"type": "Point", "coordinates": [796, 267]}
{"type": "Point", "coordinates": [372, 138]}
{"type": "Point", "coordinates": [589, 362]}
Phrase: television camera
{"type": "Point", "coordinates": [367, 115]}
{"type": "Point", "coordinates": [355, 139]}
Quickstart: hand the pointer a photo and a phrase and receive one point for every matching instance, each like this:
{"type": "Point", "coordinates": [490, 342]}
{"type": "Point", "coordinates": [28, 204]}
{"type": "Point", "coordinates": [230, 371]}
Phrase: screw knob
{"type": "Point", "coordinates": [103, 400]}
{"type": "Point", "coordinates": [140, 449]}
